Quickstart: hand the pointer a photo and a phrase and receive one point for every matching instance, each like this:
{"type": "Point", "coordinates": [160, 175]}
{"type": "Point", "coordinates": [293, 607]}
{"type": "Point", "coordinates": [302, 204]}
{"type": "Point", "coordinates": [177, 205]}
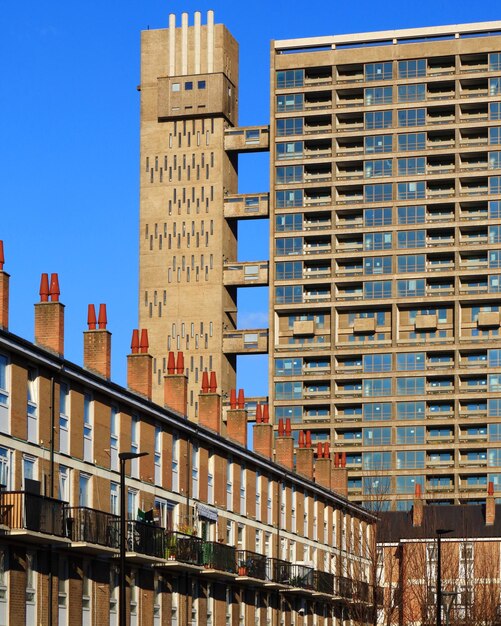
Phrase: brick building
{"type": "Point", "coordinates": [216, 534]}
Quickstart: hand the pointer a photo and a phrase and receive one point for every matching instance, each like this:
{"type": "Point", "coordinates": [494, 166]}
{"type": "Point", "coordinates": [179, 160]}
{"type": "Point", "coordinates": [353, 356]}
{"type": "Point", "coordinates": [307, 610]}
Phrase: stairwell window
{"type": "Point", "coordinates": [64, 417]}
{"type": "Point", "coordinates": [114, 439]}
{"type": "Point", "coordinates": [158, 456]}
{"type": "Point", "coordinates": [134, 446]}
{"type": "Point", "coordinates": [32, 405]}
{"type": "Point", "coordinates": [88, 427]}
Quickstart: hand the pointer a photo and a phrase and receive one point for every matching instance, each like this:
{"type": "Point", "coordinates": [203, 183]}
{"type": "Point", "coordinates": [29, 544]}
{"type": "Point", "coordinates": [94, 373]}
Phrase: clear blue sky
{"type": "Point", "coordinates": [69, 115]}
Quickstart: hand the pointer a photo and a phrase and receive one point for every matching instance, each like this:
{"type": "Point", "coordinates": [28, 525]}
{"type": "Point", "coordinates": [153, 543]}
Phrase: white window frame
{"type": "Point", "coordinates": [88, 428]}
{"type": "Point", "coordinates": [175, 462]}
{"type": "Point", "coordinates": [114, 437]}
{"type": "Point", "coordinates": [32, 404]}
{"type": "Point", "coordinates": [158, 456]}
{"type": "Point", "coordinates": [64, 417]}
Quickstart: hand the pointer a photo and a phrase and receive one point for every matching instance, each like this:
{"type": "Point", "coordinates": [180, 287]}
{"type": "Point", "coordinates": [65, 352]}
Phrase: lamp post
{"type": "Point", "coordinates": [440, 532]}
{"type": "Point", "coordinates": [123, 456]}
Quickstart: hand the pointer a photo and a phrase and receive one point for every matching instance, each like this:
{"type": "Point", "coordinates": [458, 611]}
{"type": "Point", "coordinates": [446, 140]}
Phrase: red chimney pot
{"type": "Point", "coordinates": [180, 363]}
{"type": "Point", "coordinates": [44, 288]}
{"type": "Point", "coordinates": [54, 288]}
{"type": "Point", "coordinates": [144, 344]}
{"type": "Point", "coordinates": [171, 363]}
{"type": "Point", "coordinates": [91, 317]}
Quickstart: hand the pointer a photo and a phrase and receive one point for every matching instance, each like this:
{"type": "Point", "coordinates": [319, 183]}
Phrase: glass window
{"type": "Point", "coordinates": [494, 86]}
{"type": "Point", "coordinates": [290, 222]}
{"type": "Point", "coordinates": [412, 68]}
{"type": "Point", "coordinates": [201, 84]}
{"type": "Point", "coordinates": [376, 363]}
{"type": "Point", "coordinates": [410, 288]}
{"type": "Point", "coordinates": [376, 460]}
{"type": "Point", "coordinates": [411, 93]}
{"type": "Point", "coordinates": [289, 245]}
{"type": "Point", "coordinates": [289, 198]}
{"type": "Point", "coordinates": [378, 71]}
{"type": "Point", "coordinates": [407, 484]}
{"type": "Point", "coordinates": [410, 459]}
{"type": "Point", "coordinates": [378, 119]}
{"type": "Point", "coordinates": [377, 217]}
{"type": "Point", "coordinates": [495, 111]}
{"type": "Point", "coordinates": [408, 142]}
{"type": "Point", "coordinates": [409, 361]}
{"type": "Point", "coordinates": [290, 150]}
{"type": "Point", "coordinates": [494, 234]}
{"type": "Point", "coordinates": [494, 457]}
{"type": "Point", "coordinates": [289, 174]}
{"type": "Point", "coordinates": [411, 117]}
{"type": "Point", "coordinates": [494, 160]}
{"type": "Point", "coordinates": [378, 95]}
{"type": "Point", "coordinates": [377, 265]}
{"type": "Point", "coordinates": [290, 78]}
{"type": "Point", "coordinates": [377, 241]}
{"type": "Point", "coordinates": [410, 410]}
{"type": "Point", "coordinates": [289, 294]}
{"type": "Point", "coordinates": [411, 239]}
{"type": "Point", "coordinates": [410, 434]}
{"type": "Point", "coordinates": [495, 135]}
{"type": "Point", "coordinates": [495, 61]}
{"type": "Point", "coordinates": [378, 168]}
{"type": "Point", "coordinates": [289, 126]}
{"type": "Point", "coordinates": [377, 436]}
{"type": "Point", "coordinates": [411, 214]}
{"type": "Point", "coordinates": [411, 191]}
{"type": "Point", "coordinates": [373, 387]}
{"type": "Point", "coordinates": [378, 143]}
{"type": "Point", "coordinates": [412, 165]}
{"type": "Point", "coordinates": [176, 87]}
{"type": "Point", "coordinates": [287, 270]}
{"type": "Point", "coordinates": [374, 411]}
{"type": "Point", "coordinates": [289, 367]}
{"type": "Point", "coordinates": [411, 386]}
{"type": "Point", "coordinates": [377, 289]}
{"type": "Point", "coordinates": [288, 391]}
{"type": "Point", "coordinates": [411, 263]}
{"type": "Point", "coordinates": [188, 85]}
{"type": "Point", "coordinates": [378, 193]}
{"type": "Point", "coordinates": [495, 184]}
{"type": "Point", "coordinates": [4, 396]}
{"type": "Point", "coordinates": [290, 102]}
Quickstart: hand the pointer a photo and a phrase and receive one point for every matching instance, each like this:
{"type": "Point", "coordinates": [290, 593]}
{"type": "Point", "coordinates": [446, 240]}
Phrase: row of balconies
{"type": "Point", "coordinates": [41, 519]}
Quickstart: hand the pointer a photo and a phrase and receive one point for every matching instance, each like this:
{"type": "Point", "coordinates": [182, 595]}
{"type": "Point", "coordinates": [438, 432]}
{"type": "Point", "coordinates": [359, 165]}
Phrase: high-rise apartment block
{"type": "Point", "coordinates": [385, 268]}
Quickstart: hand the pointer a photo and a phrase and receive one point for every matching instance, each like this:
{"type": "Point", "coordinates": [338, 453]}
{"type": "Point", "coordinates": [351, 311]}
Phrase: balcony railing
{"type": "Point", "coordinates": [183, 548]}
{"type": "Point", "coordinates": [86, 525]}
{"type": "Point", "coordinates": [301, 576]}
{"type": "Point", "coordinates": [219, 556]}
{"type": "Point", "coordinates": [278, 571]}
{"type": "Point", "coordinates": [323, 582]}
{"type": "Point", "coordinates": [251, 564]}
{"type": "Point", "coordinates": [145, 538]}
{"type": "Point", "coordinates": [28, 511]}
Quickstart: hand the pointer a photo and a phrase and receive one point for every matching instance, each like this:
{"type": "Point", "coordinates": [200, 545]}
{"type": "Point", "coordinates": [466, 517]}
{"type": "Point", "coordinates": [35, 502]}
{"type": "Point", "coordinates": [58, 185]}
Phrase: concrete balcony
{"type": "Point", "coordinates": [247, 274]}
{"type": "Point", "coordinates": [245, 341]}
{"type": "Point", "coordinates": [248, 139]}
{"type": "Point", "coordinates": [247, 206]}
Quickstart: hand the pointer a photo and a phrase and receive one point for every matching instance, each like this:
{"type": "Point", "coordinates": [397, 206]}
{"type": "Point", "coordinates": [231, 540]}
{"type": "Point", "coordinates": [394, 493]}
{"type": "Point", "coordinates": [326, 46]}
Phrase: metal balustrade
{"type": "Point", "coordinates": [92, 526]}
{"type": "Point", "coordinates": [21, 510]}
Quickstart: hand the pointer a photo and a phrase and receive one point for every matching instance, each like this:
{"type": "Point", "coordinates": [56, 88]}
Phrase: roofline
{"type": "Point", "coordinates": [393, 36]}
{"type": "Point", "coordinates": [71, 371]}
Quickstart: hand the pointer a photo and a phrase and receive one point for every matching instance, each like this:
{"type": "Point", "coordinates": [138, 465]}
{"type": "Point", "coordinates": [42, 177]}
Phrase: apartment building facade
{"type": "Point", "coordinates": [216, 535]}
{"type": "Point", "coordinates": [385, 200]}
{"type": "Point", "coordinates": [384, 243]}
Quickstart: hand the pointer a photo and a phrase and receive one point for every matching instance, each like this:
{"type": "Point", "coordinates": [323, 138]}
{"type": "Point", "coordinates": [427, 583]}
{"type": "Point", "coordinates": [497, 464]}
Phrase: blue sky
{"type": "Point", "coordinates": [69, 150]}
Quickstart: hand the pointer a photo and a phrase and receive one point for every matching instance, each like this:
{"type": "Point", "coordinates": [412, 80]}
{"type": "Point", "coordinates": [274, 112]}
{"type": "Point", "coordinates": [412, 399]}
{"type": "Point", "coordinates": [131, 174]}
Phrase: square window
{"type": "Point", "coordinates": [176, 87]}
{"type": "Point", "coordinates": [188, 86]}
{"type": "Point", "coordinates": [201, 84]}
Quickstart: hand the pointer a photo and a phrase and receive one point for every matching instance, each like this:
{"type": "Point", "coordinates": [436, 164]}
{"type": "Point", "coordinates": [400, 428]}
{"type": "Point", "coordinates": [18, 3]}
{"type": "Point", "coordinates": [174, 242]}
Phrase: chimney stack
{"type": "Point", "coordinates": [140, 365]}
{"type": "Point", "coordinates": [49, 316]}
{"type": "Point", "coordinates": [263, 432]}
{"type": "Point", "coordinates": [4, 292]}
{"type": "Point", "coordinates": [97, 343]}
{"type": "Point", "coordinates": [304, 455]}
{"type": "Point", "coordinates": [209, 403]}
{"type": "Point", "coordinates": [176, 384]}
{"type": "Point", "coordinates": [418, 508]}
{"type": "Point", "coordinates": [236, 420]}
{"type": "Point", "coordinates": [323, 465]}
{"type": "Point", "coordinates": [284, 444]}
{"type": "Point", "coordinates": [339, 475]}
{"type": "Point", "coordinates": [490, 506]}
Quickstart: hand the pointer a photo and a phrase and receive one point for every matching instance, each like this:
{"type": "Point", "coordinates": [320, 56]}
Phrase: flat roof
{"type": "Point", "coordinates": [455, 31]}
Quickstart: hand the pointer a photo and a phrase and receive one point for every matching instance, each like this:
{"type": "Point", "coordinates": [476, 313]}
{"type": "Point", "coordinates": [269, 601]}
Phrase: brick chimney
{"type": "Point", "coordinates": [339, 475]}
{"type": "Point", "coordinates": [97, 343]}
{"type": "Point", "coordinates": [49, 316]}
{"type": "Point", "coordinates": [323, 465]}
{"type": "Point", "coordinates": [284, 444]}
{"type": "Point", "coordinates": [4, 292]}
{"type": "Point", "coordinates": [263, 432]}
{"type": "Point", "coordinates": [236, 418]}
{"type": "Point", "coordinates": [140, 365]}
{"type": "Point", "coordinates": [490, 506]}
{"type": "Point", "coordinates": [418, 508]}
{"type": "Point", "coordinates": [209, 403]}
{"type": "Point", "coordinates": [176, 384]}
{"type": "Point", "coordinates": [304, 455]}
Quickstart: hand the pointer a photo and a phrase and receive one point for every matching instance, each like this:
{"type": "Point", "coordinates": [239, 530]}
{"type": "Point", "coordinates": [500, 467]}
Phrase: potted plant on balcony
{"type": "Point", "coordinates": [243, 567]}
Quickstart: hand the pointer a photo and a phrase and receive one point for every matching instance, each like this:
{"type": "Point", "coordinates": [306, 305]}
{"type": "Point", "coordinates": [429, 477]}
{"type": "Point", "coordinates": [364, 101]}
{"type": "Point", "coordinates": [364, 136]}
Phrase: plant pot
{"type": "Point", "coordinates": [242, 571]}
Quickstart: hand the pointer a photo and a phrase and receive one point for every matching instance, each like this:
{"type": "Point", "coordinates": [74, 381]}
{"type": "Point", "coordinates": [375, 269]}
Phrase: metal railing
{"type": "Point", "coordinates": [323, 582]}
{"type": "Point", "coordinates": [219, 556]}
{"type": "Point", "coordinates": [183, 548]}
{"type": "Point", "coordinates": [22, 510]}
{"type": "Point", "coordinates": [251, 564]}
{"type": "Point", "coordinates": [145, 538]}
{"type": "Point", "coordinates": [278, 571]}
{"type": "Point", "coordinates": [92, 526]}
{"type": "Point", "coordinates": [301, 576]}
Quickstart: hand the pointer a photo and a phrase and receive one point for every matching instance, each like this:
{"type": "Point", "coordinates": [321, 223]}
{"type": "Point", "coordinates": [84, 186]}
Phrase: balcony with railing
{"type": "Point", "coordinates": [219, 560]}
{"type": "Point", "coordinates": [92, 531]}
{"type": "Point", "coordinates": [183, 552]}
{"type": "Point", "coordinates": [33, 517]}
{"type": "Point", "coordinates": [251, 567]}
{"type": "Point", "coordinates": [145, 542]}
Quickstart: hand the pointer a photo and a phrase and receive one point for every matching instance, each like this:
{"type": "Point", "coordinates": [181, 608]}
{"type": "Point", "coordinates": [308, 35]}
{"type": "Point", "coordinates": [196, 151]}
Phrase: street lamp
{"type": "Point", "coordinates": [123, 456]}
{"type": "Point", "coordinates": [440, 532]}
